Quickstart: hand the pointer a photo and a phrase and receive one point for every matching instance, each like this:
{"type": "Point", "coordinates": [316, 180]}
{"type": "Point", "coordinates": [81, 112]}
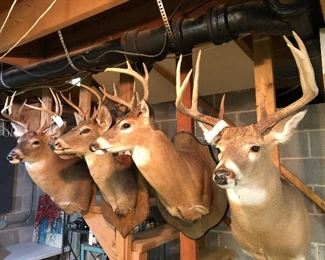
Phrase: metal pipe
{"type": "Point", "coordinates": [220, 24]}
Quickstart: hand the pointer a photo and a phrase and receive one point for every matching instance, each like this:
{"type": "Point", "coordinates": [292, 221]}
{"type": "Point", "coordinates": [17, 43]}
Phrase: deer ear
{"type": "Point", "coordinates": [55, 131]}
{"type": "Point", "coordinates": [18, 129]}
{"type": "Point", "coordinates": [145, 109]}
{"type": "Point", "coordinates": [283, 130]}
{"type": "Point", "coordinates": [78, 118]}
{"type": "Point", "coordinates": [206, 130]}
{"type": "Point", "coordinates": [104, 118]}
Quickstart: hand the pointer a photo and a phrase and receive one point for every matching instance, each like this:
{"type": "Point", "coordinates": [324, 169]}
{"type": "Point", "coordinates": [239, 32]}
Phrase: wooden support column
{"type": "Point", "coordinates": [47, 100]}
{"type": "Point", "coordinates": [124, 245]}
{"type": "Point", "coordinates": [322, 48]}
{"type": "Point", "coordinates": [188, 247]}
{"type": "Point", "coordinates": [104, 233]}
{"type": "Point", "coordinates": [264, 81]}
{"type": "Point", "coordinates": [264, 88]}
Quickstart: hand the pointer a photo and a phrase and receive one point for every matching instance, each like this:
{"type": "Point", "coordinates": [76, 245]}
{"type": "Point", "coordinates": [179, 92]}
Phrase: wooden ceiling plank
{"type": "Point", "coordinates": [63, 14]}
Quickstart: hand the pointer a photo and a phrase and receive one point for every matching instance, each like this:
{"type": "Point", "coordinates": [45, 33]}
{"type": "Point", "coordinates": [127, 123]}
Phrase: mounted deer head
{"type": "Point", "coordinates": [180, 172]}
{"type": "Point", "coordinates": [65, 178]}
{"type": "Point", "coordinates": [119, 183]}
{"type": "Point", "coordinates": [266, 213]}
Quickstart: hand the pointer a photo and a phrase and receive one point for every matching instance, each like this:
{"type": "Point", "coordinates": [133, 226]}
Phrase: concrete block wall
{"type": "Point", "coordinates": [304, 155]}
{"type": "Point", "coordinates": [21, 218]}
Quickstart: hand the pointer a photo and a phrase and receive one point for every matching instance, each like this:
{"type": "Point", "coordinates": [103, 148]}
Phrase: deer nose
{"type": "Point", "coordinates": [221, 176]}
{"type": "Point", "coordinates": [10, 157]}
{"type": "Point", "coordinates": [55, 145]}
{"type": "Point", "coordinates": [93, 147]}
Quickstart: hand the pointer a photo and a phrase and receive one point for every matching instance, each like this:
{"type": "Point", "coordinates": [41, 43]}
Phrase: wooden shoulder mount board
{"type": "Point", "coordinates": [124, 224]}
{"type": "Point", "coordinates": [186, 142]}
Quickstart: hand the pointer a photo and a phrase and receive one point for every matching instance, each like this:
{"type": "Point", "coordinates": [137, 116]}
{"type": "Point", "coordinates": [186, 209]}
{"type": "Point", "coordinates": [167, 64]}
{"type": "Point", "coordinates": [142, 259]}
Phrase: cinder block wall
{"type": "Point", "coordinates": [304, 155]}
{"type": "Point", "coordinates": [21, 218]}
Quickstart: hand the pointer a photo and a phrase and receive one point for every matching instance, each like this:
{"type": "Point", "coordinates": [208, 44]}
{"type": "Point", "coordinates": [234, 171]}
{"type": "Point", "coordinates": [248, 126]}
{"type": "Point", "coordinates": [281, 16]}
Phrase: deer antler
{"type": "Point", "coordinates": [78, 109]}
{"type": "Point", "coordinates": [180, 89]}
{"type": "Point", "coordinates": [144, 80]}
{"type": "Point", "coordinates": [44, 108]}
{"type": "Point", "coordinates": [308, 85]}
{"type": "Point", "coordinates": [7, 113]}
{"type": "Point", "coordinates": [99, 103]}
{"type": "Point", "coordinates": [58, 110]}
{"type": "Point", "coordinates": [75, 107]}
{"type": "Point", "coordinates": [130, 105]}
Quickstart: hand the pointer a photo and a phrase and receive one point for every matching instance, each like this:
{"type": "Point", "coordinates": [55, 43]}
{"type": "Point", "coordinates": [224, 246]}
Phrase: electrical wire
{"type": "Point", "coordinates": [7, 17]}
{"type": "Point", "coordinates": [29, 30]}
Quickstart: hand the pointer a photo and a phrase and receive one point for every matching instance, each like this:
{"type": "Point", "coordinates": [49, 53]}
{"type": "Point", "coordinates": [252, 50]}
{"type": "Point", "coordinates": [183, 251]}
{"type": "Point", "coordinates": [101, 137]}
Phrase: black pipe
{"type": "Point", "coordinates": [220, 24]}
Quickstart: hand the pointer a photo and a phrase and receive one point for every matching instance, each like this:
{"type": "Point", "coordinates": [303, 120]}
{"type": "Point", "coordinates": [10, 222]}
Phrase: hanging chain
{"type": "Point", "coordinates": [165, 19]}
{"type": "Point", "coordinates": [66, 51]}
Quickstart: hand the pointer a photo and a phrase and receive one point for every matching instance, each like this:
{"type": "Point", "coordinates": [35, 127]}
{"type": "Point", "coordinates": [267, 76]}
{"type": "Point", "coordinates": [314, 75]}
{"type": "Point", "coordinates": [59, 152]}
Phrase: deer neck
{"type": "Point", "coordinates": [174, 177]}
{"type": "Point", "coordinates": [261, 191]}
{"type": "Point", "coordinates": [47, 169]}
{"type": "Point", "coordinates": [115, 181]}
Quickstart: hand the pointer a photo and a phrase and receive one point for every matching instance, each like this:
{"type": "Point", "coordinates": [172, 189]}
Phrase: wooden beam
{"type": "Point", "coordinates": [264, 81]}
{"type": "Point", "coordinates": [171, 78]}
{"type": "Point", "coordinates": [105, 234]}
{"type": "Point", "coordinates": [303, 188]}
{"type": "Point", "coordinates": [245, 46]}
{"type": "Point", "coordinates": [47, 100]}
{"type": "Point", "coordinates": [264, 84]}
{"type": "Point", "coordinates": [188, 247]}
{"type": "Point", "coordinates": [63, 14]}
{"type": "Point", "coordinates": [322, 48]}
{"type": "Point", "coordinates": [124, 245]}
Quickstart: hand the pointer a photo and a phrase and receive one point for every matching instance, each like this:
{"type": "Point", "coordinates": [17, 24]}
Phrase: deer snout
{"type": "Point", "coordinates": [93, 147]}
{"type": "Point", "coordinates": [13, 157]}
{"type": "Point", "coordinates": [55, 145]}
{"type": "Point", "coordinates": [221, 176]}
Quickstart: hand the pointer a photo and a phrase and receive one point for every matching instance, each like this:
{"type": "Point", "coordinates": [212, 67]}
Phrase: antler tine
{"type": "Point", "coordinates": [6, 112]}
{"type": "Point", "coordinates": [57, 102]}
{"type": "Point", "coordinates": [43, 108]}
{"type": "Point", "coordinates": [307, 80]}
{"type": "Point", "coordinates": [60, 104]}
{"type": "Point", "coordinates": [70, 103]}
{"type": "Point", "coordinates": [144, 80]}
{"type": "Point", "coordinates": [180, 89]}
{"type": "Point", "coordinates": [97, 96]}
{"type": "Point", "coordinates": [115, 97]}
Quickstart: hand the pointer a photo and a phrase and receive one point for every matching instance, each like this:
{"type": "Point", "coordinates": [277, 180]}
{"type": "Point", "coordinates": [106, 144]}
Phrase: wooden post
{"type": "Point", "coordinates": [47, 100]}
{"type": "Point", "coordinates": [124, 245]}
{"type": "Point", "coordinates": [264, 81]}
{"type": "Point", "coordinates": [264, 88]}
{"type": "Point", "coordinates": [322, 48]}
{"type": "Point", "coordinates": [104, 233]}
{"type": "Point", "coordinates": [188, 247]}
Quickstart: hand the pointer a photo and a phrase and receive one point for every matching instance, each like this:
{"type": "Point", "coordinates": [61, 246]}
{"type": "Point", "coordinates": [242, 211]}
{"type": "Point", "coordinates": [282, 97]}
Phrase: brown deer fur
{"type": "Point", "coordinates": [67, 182]}
{"type": "Point", "coordinates": [121, 185]}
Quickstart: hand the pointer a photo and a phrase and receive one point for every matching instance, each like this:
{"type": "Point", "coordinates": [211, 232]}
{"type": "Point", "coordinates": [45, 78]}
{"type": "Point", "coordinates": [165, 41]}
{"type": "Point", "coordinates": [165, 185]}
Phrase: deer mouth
{"type": "Point", "coordinates": [224, 178]}
{"type": "Point", "coordinates": [62, 150]}
{"type": "Point", "coordinates": [94, 147]}
{"type": "Point", "coordinates": [15, 160]}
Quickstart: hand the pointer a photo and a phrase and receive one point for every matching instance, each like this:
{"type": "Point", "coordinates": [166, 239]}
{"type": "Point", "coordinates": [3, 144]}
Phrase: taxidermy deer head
{"type": "Point", "coordinates": [269, 218]}
{"type": "Point", "coordinates": [120, 184]}
{"type": "Point", "coordinates": [180, 173]}
{"type": "Point", "coordinates": [67, 182]}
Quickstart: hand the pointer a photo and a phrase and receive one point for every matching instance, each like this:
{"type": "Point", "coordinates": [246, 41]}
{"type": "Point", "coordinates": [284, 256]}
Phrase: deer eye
{"type": "Point", "coordinates": [85, 131]}
{"type": "Point", "coordinates": [125, 126]}
{"type": "Point", "coordinates": [35, 143]}
{"type": "Point", "coordinates": [255, 148]}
